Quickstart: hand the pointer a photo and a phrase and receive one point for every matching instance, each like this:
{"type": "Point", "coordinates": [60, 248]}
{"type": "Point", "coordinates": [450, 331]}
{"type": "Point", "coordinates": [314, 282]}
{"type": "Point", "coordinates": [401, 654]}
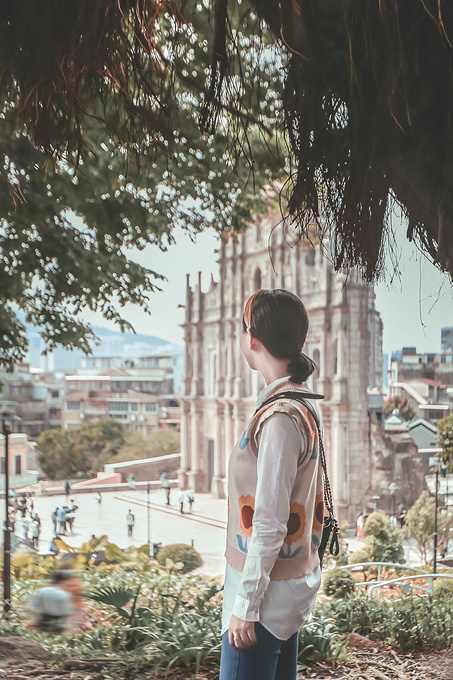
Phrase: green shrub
{"type": "Point", "coordinates": [443, 587]}
{"type": "Point", "coordinates": [180, 552]}
{"type": "Point", "coordinates": [405, 623]}
{"type": "Point", "coordinates": [319, 641]}
{"type": "Point", "coordinates": [384, 540]}
{"type": "Point", "coordinates": [359, 556]}
{"type": "Point", "coordinates": [338, 583]}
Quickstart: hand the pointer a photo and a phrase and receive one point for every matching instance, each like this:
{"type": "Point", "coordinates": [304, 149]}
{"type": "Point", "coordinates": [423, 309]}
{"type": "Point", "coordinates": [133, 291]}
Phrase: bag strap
{"type": "Point", "coordinates": [297, 396]}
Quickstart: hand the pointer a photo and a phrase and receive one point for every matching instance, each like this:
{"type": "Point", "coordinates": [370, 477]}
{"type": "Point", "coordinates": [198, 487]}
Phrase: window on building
{"type": "Point", "coordinates": [18, 464]}
{"type": "Point", "coordinates": [69, 426]}
{"type": "Point", "coordinates": [2, 465]}
{"type": "Point", "coordinates": [134, 407]}
{"type": "Point", "coordinates": [257, 279]}
{"type": "Point", "coordinates": [151, 408]}
{"type": "Point", "coordinates": [73, 405]}
{"type": "Point", "coordinates": [315, 374]}
{"type": "Point", "coordinates": [55, 394]}
{"type": "Point", "coordinates": [117, 406]}
{"type": "Point", "coordinates": [310, 257]}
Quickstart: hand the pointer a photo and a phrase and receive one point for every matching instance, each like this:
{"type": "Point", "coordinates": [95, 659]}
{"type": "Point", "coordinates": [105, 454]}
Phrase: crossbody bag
{"type": "Point", "coordinates": [330, 528]}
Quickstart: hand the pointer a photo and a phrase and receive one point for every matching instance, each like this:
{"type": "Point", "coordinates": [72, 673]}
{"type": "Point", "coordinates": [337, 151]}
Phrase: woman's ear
{"type": "Point", "coordinates": [253, 342]}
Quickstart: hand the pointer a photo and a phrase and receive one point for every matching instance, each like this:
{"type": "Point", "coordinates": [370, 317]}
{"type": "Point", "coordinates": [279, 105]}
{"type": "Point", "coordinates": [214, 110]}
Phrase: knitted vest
{"type": "Point", "coordinates": [299, 552]}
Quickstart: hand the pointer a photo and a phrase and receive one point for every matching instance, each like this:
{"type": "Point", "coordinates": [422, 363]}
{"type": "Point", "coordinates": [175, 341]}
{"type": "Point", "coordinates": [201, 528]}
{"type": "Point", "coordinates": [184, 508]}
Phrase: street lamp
{"type": "Point", "coordinates": [393, 488]}
{"type": "Point", "coordinates": [435, 462]}
{"type": "Point", "coordinates": [147, 517]}
{"type": "Point", "coordinates": [7, 418]}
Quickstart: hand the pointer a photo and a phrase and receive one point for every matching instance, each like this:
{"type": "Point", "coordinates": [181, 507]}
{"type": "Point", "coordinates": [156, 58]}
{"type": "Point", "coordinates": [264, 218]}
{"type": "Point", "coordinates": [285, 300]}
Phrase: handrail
{"type": "Point", "coordinates": [398, 581]}
{"type": "Point", "coordinates": [431, 578]}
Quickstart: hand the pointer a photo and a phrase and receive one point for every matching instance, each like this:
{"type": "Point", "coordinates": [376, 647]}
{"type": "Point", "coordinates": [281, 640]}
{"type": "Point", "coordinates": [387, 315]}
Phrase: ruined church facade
{"type": "Point", "coordinates": [218, 390]}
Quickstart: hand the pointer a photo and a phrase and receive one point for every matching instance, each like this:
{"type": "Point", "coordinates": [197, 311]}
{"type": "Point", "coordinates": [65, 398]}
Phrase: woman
{"type": "Point", "coordinates": [275, 502]}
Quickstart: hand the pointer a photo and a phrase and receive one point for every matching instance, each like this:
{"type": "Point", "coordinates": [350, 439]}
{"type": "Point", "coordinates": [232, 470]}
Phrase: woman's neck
{"type": "Point", "coordinates": [271, 373]}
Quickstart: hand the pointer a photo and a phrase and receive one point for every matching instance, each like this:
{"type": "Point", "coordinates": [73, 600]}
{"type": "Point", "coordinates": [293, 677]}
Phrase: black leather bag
{"type": "Point", "coordinates": [330, 526]}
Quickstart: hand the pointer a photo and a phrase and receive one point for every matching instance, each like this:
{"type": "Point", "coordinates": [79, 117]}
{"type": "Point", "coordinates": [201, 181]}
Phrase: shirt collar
{"type": "Point", "coordinates": [268, 389]}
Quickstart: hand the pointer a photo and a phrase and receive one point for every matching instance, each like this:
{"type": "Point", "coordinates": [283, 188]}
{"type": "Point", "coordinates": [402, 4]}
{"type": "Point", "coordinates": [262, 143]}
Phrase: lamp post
{"type": "Point", "coordinates": [6, 431]}
{"type": "Point", "coordinates": [435, 462]}
{"type": "Point", "coordinates": [393, 488]}
{"type": "Point", "coordinates": [148, 517]}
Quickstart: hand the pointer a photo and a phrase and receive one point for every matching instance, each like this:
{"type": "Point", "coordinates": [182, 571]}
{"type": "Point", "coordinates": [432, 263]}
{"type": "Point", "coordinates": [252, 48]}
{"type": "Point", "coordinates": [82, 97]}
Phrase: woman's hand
{"type": "Point", "coordinates": [241, 634]}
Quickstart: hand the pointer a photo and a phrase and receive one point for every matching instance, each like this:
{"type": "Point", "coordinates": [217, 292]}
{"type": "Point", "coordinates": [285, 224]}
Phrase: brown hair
{"type": "Point", "coordinates": [279, 320]}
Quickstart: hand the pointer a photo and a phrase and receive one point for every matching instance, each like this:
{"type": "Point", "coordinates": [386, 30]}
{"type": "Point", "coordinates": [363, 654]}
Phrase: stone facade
{"type": "Point", "coordinates": [218, 391]}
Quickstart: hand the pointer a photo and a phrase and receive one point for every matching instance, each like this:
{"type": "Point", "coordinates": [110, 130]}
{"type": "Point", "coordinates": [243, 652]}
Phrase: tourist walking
{"type": "Point", "coordinates": [190, 493]}
{"type": "Point", "coordinates": [275, 495]}
{"type": "Point", "coordinates": [53, 517]}
{"type": "Point", "coordinates": [99, 498]}
{"type": "Point", "coordinates": [130, 519]}
{"type": "Point", "coordinates": [67, 490]}
{"type": "Point", "coordinates": [35, 530]}
{"type": "Point", "coordinates": [70, 516]}
{"type": "Point", "coordinates": [165, 484]}
{"type": "Point", "coordinates": [181, 501]}
{"type": "Point", "coordinates": [360, 532]}
{"type": "Point", "coordinates": [61, 518]}
{"type": "Point", "coordinates": [25, 528]}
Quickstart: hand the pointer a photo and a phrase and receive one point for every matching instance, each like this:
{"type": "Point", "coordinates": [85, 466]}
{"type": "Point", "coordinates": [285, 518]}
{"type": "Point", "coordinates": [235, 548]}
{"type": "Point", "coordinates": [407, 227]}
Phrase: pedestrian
{"type": "Point", "coordinates": [131, 481]}
{"type": "Point", "coordinates": [275, 498]}
{"type": "Point", "coordinates": [35, 530]}
{"type": "Point", "coordinates": [360, 532]}
{"type": "Point", "coordinates": [22, 506]}
{"type": "Point", "coordinates": [67, 490]}
{"type": "Point", "coordinates": [190, 497]}
{"type": "Point", "coordinates": [402, 517]}
{"type": "Point", "coordinates": [130, 519]}
{"type": "Point", "coordinates": [53, 547]}
{"type": "Point", "coordinates": [165, 484]}
{"type": "Point", "coordinates": [99, 498]}
{"type": "Point", "coordinates": [31, 505]}
{"type": "Point", "coordinates": [72, 513]}
{"type": "Point", "coordinates": [54, 517]}
{"type": "Point", "coordinates": [52, 606]}
{"type": "Point", "coordinates": [25, 528]}
{"type": "Point", "coordinates": [61, 518]}
{"type": "Point", "coordinates": [181, 501]}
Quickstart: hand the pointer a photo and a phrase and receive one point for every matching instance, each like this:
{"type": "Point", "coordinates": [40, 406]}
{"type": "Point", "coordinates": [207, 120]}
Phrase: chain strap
{"type": "Point", "coordinates": [322, 454]}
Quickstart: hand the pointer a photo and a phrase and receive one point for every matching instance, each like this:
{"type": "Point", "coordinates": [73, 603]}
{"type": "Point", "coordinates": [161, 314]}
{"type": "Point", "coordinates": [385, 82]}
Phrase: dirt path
{"type": "Point", "coordinates": [20, 659]}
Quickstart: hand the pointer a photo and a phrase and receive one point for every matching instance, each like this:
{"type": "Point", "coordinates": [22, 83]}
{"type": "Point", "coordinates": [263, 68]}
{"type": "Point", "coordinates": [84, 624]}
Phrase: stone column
{"type": "Point", "coordinates": [185, 448]}
{"type": "Point", "coordinates": [195, 476]}
{"type": "Point", "coordinates": [230, 348]}
{"type": "Point", "coordinates": [218, 486]}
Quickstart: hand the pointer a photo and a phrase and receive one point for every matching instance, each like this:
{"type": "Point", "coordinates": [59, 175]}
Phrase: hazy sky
{"type": "Point", "coordinates": [413, 307]}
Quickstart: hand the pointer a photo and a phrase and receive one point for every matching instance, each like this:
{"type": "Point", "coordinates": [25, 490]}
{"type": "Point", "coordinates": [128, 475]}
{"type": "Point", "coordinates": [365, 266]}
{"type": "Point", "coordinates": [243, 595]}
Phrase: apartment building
{"type": "Point", "coordinates": [135, 390]}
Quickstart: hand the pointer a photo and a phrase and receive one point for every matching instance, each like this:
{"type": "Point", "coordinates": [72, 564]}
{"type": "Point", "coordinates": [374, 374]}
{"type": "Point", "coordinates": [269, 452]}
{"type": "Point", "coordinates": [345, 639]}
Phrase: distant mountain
{"type": "Point", "coordinates": [111, 343]}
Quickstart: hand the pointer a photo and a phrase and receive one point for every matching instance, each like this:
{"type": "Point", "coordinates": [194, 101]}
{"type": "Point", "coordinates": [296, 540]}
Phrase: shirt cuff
{"type": "Point", "coordinates": [242, 610]}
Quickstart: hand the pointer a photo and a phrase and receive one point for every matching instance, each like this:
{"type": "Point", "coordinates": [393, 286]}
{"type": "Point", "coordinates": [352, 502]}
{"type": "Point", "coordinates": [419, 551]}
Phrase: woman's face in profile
{"type": "Point", "coordinates": [244, 342]}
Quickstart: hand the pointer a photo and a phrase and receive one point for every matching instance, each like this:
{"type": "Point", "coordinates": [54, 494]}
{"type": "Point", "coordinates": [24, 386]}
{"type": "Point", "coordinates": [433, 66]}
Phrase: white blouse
{"type": "Point", "coordinates": [280, 606]}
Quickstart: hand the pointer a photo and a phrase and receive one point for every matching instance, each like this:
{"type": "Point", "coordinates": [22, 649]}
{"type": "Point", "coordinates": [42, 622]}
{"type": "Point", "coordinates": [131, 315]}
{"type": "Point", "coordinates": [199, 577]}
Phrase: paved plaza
{"type": "Point", "coordinates": [205, 526]}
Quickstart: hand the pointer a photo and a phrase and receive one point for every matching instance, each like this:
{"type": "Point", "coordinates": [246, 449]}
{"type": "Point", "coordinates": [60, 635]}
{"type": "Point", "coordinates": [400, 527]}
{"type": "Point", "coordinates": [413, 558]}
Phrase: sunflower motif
{"type": "Point", "coordinates": [296, 523]}
{"type": "Point", "coordinates": [246, 512]}
{"type": "Point", "coordinates": [318, 515]}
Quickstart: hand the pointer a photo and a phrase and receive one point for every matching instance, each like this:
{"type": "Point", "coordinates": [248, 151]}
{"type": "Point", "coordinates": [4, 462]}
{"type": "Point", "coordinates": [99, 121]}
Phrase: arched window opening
{"type": "Point", "coordinates": [257, 279]}
{"type": "Point", "coordinates": [316, 372]}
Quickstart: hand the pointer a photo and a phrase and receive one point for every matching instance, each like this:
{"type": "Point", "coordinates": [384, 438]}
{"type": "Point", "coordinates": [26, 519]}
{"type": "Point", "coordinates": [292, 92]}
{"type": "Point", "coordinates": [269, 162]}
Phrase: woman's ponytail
{"type": "Point", "coordinates": [300, 367]}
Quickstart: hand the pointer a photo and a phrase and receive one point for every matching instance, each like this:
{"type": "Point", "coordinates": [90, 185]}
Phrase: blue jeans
{"type": "Point", "coordinates": [268, 659]}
